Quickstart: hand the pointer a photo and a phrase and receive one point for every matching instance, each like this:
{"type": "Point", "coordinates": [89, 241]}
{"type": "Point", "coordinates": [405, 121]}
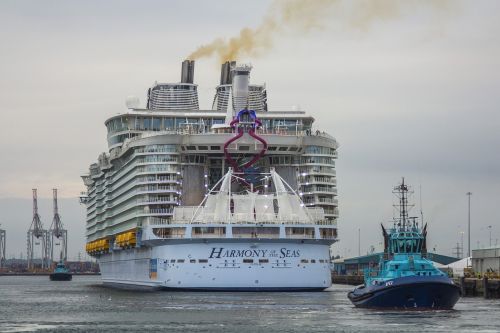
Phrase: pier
{"type": "Point", "coordinates": [485, 287]}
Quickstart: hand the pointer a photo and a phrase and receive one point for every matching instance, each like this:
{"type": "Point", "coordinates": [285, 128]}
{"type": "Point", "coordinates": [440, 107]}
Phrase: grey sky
{"type": "Point", "coordinates": [415, 95]}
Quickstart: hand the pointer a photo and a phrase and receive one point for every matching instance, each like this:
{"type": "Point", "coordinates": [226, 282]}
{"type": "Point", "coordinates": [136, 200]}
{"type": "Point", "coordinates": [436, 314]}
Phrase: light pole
{"type": "Point", "coordinates": [469, 194]}
{"type": "Point", "coordinates": [489, 227]}
{"type": "Point", "coordinates": [359, 242]}
{"type": "Point", "coordinates": [462, 234]}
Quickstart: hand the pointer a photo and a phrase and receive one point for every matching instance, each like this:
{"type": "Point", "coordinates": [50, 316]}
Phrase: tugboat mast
{"type": "Point", "coordinates": [401, 191]}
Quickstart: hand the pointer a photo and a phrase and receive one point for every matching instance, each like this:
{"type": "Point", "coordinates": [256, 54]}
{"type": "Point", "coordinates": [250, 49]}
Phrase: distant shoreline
{"type": "Point", "coordinates": [42, 274]}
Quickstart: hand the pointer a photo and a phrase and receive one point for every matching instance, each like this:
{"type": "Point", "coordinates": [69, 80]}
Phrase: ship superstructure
{"type": "Point", "coordinates": [166, 157]}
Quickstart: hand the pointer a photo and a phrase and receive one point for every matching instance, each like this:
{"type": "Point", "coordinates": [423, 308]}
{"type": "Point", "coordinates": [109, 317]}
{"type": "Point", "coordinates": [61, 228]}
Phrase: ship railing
{"type": "Point", "coordinates": [208, 235]}
{"type": "Point", "coordinates": [214, 222]}
{"type": "Point", "coordinates": [158, 211]}
{"type": "Point", "coordinates": [301, 236]}
{"type": "Point", "coordinates": [202, 131]}
{"type": "Point", "coordinates": [257, 235]}
{"type": "Point", "coordinates": [239, 222]}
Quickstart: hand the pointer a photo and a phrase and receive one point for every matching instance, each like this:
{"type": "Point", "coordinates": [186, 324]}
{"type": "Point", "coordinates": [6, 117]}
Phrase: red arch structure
{"type": "Point", "coordinates": [245, 122]}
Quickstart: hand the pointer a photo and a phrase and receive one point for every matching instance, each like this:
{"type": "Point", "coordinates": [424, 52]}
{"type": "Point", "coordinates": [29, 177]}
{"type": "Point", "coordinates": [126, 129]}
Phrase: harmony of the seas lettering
{"type": "Point", "coordinates": [220, 252]}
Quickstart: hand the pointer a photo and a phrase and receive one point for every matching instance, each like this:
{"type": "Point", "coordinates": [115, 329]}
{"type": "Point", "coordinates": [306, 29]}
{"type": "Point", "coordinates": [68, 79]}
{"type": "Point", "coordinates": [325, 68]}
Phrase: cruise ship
{"type": "Point", "coordinates": [237, 197]}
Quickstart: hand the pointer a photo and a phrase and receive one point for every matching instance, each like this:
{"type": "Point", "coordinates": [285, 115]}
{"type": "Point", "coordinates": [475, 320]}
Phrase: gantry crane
{"type": "Point", "coordinates": [37, 235]}
{"type": "Point", "coordinates": [57, 234]}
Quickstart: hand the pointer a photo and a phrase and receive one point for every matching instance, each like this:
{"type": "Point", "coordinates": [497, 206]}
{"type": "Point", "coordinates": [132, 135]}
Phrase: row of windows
{"type": "Point", "coordinates": [245, 261]}
{"type": "Point", "coordinates": [318, 160]}
{"type": "Point", "coordinates": [198, 159]}
{"type": "Point", "coordinates": [157, 149]}
{"type": "Point", "coordinates": [157, 159]}
{"type": "Point", "coordinates": [152, 123]}
{"type": "Point", "coordinates": [320, 150]}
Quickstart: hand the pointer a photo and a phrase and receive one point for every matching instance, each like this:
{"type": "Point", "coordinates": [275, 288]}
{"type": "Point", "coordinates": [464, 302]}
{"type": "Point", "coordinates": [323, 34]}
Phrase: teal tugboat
{"type": "Point", "coordinates": [405, 278]}
{"type": "Point", "coordinates": [61, 273]}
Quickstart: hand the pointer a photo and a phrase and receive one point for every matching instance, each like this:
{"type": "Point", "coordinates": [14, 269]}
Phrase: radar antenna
{"type": "Point", "coordinates": [404, 222]}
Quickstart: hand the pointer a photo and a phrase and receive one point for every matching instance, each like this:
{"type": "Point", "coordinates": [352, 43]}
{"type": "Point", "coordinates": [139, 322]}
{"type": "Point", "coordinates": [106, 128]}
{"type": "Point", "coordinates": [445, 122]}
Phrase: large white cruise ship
{"type": "Point", "coordinates": [233, 198]}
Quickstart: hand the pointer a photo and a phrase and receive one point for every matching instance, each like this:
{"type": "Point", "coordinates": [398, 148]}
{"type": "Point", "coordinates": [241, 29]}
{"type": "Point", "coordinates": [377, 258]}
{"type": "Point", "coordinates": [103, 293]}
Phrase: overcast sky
{"type": "Point", "coordinates": [414, 93]}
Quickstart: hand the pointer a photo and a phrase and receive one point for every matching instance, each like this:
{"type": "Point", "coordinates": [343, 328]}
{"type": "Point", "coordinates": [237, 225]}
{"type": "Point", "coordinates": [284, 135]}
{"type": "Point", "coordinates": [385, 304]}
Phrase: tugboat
{"type": "Point", "coordinates": [405, 278]}
{"type": "Point", "coordinates": [61, 273]}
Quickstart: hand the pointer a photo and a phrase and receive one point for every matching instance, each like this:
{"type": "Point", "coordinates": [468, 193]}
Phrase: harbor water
{"type": "Point", "coordinates": [35, 304]}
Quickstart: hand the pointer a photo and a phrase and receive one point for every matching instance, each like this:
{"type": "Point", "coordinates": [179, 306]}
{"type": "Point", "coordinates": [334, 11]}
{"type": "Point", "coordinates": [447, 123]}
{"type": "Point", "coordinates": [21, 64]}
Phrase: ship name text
{"type": "Point", "coordinates": [220, 252]}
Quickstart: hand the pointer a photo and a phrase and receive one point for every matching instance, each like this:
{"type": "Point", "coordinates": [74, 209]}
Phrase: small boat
{"type": "Point", "coordinates": [405, 278]}
{"type": "Point", "coordinates": [61, 273]}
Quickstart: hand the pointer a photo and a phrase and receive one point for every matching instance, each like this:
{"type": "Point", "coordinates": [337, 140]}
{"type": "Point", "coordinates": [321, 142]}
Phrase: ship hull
{"type": "Point", "coordinates": [60, 277]}
{"type": "Point", "coordinates": [220, 266]}
{"type": "Point", "coordinates": [408, 293]}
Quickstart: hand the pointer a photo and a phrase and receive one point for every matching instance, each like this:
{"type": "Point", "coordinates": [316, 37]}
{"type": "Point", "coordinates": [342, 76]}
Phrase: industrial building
{"type": "Point", "coordinates": [486, 260]}
{"type": "Point", "coordinates": [355, 265]}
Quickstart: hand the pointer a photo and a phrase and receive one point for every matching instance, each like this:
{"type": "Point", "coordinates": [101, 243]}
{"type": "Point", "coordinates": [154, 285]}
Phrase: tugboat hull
{"type": "Point", "coordinates": [61, 277]}
{"type": "Point", "coordinates": [408, 293]}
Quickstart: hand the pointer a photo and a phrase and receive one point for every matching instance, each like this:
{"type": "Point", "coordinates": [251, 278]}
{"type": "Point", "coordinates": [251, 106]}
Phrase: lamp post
{"type": "Point", "coordinates": [469, 194]}
{"type": "Point", "coordinates": [359, 242]}
{"type": "Point", "coordinates": [462, 234]}
{"type": "Point", "coordinates": [489, 227]}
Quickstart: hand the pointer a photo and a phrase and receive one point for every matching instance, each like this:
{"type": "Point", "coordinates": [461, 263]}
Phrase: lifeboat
{"type": "Point", "coordinates": [97, 246]}
{"type": "Point", "coordinates": [126, 239]}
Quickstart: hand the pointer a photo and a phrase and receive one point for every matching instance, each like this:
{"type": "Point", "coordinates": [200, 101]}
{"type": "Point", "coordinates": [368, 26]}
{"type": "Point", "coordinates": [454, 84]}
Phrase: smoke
{"type": "Point", "coordinates": [303, 16]}
{"type": "Point", "coordinates": [297, 14]}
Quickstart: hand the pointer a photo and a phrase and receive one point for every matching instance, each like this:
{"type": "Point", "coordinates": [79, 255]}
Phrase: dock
{"type": "Point", "coordinates": [43, 273]}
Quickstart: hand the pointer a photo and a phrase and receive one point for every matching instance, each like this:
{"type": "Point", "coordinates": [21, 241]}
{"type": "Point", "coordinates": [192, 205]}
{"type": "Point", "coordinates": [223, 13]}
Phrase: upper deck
{"type": "Point", "coordinates": [142, 122]}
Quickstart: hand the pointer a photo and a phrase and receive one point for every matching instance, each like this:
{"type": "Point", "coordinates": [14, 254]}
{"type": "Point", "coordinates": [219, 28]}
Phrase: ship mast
{"type": "Point", "coordinates": [404, 222]}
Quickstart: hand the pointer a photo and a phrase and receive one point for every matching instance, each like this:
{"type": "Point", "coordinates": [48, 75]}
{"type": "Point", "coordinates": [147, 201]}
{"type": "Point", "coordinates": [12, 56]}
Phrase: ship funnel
{"type": "Point", "coordinates": [226, 75]}
{"type": "Point", "coordinates": [241, 78]}
{"type": "Point", "coordinates": [187, 73]}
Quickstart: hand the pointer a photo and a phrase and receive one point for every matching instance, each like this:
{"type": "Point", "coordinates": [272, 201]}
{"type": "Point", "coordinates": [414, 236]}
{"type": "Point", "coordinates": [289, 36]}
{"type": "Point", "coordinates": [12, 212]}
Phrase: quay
{"type": "Point", "coordinates": [470, 287]}
{"type": "Point", "coordinates": [44, 273]}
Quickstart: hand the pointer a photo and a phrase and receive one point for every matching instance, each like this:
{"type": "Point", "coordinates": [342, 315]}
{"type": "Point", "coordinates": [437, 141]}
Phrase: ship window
{"type": "Point", "coordinates": [271, 148]}
{"type": "Point", "coordinates": [183, 148]}
{"type": "Point", "coordinates": [263, 261]}
{"type": "Point", "coordinates": [191, 147]}
{"type": "Point", "coordinates": [203, 261]}
{"type": "Point", "coordinates": [396, 266]}
{"type": "Point", "coordinates": [180, 261]}
{"type": "Point", "coordinates": [192, 261]}
{"type": "Point", "coordinates": [248, 261]}
{"type": "Point", "coordinates": [304, 261]}
{"type": "Point", "coordinates": [202, 147]}
{"type": "Point", "coordinates": [244, 148]}
{"type": "Point", "coordinates": [214, 147]}
{"type": "Point", "coordinates": [156, 124]}
{"type": "Point", "coordinates": [313, 261]}
{"type": "Point", "coordinates": [169, 123]}
{"type": "Point", "coordinates": [293, 148]}
{"type": "Point", "coordinates": [173, 260]}
{"type": "Point", "coordinates": [283, 148]}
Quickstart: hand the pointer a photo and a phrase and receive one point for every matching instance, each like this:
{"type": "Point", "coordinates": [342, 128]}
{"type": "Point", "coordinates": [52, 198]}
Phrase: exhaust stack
{"type": "Point", "coordinates": [187, 73]}
{"type": "Point", "coordinates": [226, 75]}
{"type": "Point", "coordinates": [241, 78]}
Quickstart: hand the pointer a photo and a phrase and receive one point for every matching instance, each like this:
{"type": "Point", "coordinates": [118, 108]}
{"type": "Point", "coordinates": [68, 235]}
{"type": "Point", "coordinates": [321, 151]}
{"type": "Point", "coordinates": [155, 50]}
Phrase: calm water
{"type": "Point", "coordinates": [30, 304]}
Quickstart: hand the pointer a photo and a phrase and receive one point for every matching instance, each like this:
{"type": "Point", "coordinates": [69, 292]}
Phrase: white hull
{"type": "Point", "coordinates": [221, 265]}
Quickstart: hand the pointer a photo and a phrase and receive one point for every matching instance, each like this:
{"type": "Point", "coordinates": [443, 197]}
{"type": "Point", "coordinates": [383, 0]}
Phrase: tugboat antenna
{"type": "Point", "coordinates": [401, 191]}
{"type": "Point", "coordinates": [421, 208]}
